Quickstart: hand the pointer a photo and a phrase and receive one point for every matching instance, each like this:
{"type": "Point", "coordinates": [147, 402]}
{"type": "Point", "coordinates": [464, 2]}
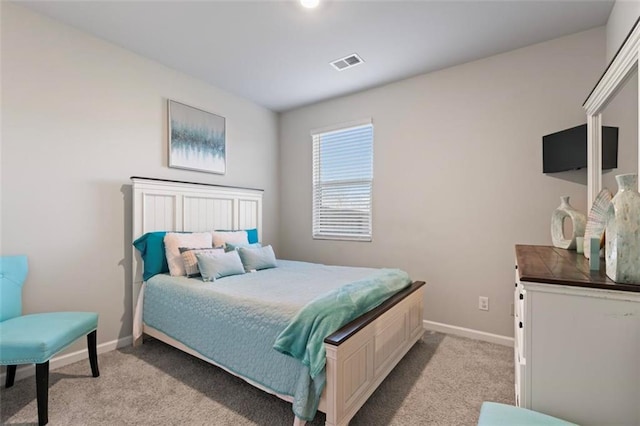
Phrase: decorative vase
{"type": "Point", "coordinates": [622, 232]}
{"type": "Point", "coordinates": [596, 222]}
{"type": "Point", "coordinates": [557, 221]}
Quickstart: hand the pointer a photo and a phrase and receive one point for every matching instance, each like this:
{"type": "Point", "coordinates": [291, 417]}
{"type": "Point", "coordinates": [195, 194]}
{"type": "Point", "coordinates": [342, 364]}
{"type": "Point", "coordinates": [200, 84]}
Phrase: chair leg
{"type": "Point", "coordinates": [11, 376]}
{"type": "Point", "coordinates": [42, 391]}
{"type": "Point", "coordinates": [92, 345]}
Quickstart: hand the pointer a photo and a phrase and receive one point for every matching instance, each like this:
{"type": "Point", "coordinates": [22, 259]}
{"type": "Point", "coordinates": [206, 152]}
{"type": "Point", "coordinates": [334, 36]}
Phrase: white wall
{"type": "Point", "coordinates": [457, 172]}
{"type": "Point", "coordinates": [79, 117]}
{"type": "Point", "coordinates": [623, 15]}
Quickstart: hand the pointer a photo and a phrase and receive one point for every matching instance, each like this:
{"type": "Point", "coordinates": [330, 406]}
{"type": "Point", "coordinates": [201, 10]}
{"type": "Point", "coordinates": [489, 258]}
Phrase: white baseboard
{"type": "Point", "coordinates": [62, 360]}
{"type": "Point", "coordinates": [468, 332]}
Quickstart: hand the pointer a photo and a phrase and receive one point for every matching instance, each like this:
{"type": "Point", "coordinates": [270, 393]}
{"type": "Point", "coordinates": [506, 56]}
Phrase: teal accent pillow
{"type": "Point", "coordinates": [257, 258]}
{"type": "Point", "coordinates": [232, 246]}
{"type": "Point", "coordinates": [151, 248]}
{"type": "Point", "coordinates": [217, 266]}
{"type": "Point", "coordinates": [252, 235]}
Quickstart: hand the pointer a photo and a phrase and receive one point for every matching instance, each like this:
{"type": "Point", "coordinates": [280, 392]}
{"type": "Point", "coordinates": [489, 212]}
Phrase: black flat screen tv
{"type": "Point", "coordinates": [567, 149]}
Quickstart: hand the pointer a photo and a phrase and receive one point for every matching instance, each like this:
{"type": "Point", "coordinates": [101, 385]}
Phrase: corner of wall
{"type": "Point", "coordinates": [623, 16]}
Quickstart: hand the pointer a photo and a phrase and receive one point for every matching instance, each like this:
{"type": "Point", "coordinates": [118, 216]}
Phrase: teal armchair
{"type": "Point", "coordinates": [36, 338]}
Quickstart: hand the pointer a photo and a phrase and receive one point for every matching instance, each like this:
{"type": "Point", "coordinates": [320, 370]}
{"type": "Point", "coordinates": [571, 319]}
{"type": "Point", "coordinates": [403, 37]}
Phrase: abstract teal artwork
{"type": "Point", "coordinates": [197, 139]}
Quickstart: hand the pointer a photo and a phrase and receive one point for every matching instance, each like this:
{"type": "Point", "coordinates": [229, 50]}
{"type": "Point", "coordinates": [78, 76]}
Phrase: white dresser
{"type": "Point", "coordinates": [577, 339]}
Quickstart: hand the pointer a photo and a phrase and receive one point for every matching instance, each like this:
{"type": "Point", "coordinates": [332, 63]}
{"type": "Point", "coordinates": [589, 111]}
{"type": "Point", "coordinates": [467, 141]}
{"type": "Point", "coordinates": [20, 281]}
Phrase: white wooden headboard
{"type": "Point", "coordinates": [164, 205]}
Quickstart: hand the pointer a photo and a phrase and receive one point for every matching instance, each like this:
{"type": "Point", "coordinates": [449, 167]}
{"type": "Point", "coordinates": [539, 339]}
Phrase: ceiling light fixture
{"type": "Point", "coordinates": [310, 4]}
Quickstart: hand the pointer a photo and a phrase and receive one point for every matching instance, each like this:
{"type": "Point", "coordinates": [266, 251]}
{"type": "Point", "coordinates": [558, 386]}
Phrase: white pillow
{"type": "Point", "coordinates": [221, 238]}
{"type": "Point", "coordinates": [172, 243]}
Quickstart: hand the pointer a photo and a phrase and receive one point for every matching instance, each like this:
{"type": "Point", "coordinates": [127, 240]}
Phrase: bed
{"type": "Point", "coordinates": [359, 355]}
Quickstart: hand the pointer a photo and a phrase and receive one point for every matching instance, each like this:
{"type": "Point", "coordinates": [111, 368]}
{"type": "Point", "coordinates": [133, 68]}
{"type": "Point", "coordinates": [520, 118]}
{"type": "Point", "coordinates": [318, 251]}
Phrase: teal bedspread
{"type": "Point", "coordinates": [236, 320]}
{"type": "Point", "coordinates": [304, 337]}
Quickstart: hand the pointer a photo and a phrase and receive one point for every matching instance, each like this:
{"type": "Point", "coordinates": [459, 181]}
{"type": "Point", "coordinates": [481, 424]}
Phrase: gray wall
{"type": "Point", "coordinates": [79, 117]}
{"type": "Point", "coordinates": [621, 19]}
{"type": "Point", "coordinates": [457, 172]}
{"type": "Point", "coordinates": [458, 177]}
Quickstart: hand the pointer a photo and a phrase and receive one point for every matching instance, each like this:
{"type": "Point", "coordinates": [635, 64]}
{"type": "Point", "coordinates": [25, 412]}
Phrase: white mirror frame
{"type": "Point", "coordinates": [615, 76]}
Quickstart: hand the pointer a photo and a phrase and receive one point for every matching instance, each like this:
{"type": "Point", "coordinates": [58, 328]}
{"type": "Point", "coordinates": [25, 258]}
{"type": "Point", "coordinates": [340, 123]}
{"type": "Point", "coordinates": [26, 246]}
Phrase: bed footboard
{"type": "Point", "coordinates": [362, 353]}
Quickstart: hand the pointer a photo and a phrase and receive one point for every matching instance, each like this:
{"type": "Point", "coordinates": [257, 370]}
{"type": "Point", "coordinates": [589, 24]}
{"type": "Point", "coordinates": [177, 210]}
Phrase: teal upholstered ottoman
{"type": "Point", "coordinates": [494, 414]}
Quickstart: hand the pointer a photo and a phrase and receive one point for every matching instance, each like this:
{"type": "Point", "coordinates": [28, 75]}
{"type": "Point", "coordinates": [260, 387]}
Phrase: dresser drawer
{"type": "Point", "coordinates": [519, 295]}
{"type": "Point", "coordinates": [519, 380]}
{"type": "Point", "coordinates": [519, 309]}
{"type": "Point", "coordinates": [519, 336]}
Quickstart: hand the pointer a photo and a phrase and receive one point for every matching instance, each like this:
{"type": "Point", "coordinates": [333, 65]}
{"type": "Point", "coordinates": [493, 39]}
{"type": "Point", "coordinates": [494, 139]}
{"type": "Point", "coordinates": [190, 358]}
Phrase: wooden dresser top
{"type": "Point", "coordinates": [552, 265]}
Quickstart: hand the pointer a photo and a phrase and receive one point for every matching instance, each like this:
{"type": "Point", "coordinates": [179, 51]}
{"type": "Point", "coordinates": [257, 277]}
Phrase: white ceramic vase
{"type": "Point", "coordinates": [622, 232]}
{"type": "Point", "coordinates": [579, 222]}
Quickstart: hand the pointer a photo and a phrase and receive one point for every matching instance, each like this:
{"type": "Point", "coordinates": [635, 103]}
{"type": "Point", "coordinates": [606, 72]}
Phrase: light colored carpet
{"type": "Point", "coordinates": [441, 381]}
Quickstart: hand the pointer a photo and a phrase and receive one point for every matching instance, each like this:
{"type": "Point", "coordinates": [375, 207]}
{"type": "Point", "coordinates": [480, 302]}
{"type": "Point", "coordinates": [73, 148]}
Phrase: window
{"type": "Point", "coordinates": [342, 183]}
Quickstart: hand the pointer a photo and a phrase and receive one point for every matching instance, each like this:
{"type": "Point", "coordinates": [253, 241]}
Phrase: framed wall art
{"type": "Point", "coordinates": [197, 139]}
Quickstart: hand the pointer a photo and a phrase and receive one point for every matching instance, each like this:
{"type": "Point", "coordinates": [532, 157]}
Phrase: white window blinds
{"type": "Point", "coordinates": [342, 183]}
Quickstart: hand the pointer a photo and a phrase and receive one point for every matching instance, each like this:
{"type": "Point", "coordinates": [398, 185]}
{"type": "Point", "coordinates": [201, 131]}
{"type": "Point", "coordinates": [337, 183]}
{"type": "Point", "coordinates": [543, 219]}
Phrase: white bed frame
{"type": "Point", "coordinates": [359, 356]}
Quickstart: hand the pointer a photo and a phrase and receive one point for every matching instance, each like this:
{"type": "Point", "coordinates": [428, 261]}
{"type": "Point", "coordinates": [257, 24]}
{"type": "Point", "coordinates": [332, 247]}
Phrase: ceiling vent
{"type": "Point", "coordinates": [347, 62]}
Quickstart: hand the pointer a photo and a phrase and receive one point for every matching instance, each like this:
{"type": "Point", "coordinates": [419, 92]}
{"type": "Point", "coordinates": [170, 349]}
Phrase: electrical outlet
{"type": "Point", "coordinates": [483, 303]}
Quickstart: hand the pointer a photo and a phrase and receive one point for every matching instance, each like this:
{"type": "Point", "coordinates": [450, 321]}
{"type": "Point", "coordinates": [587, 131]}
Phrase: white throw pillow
{"type": "Point", "coordinates": [221, 238]}
{"type": "Point", "coordinates": [173, 242]}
